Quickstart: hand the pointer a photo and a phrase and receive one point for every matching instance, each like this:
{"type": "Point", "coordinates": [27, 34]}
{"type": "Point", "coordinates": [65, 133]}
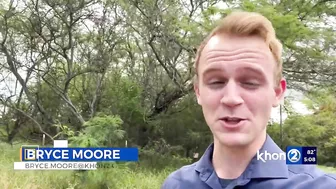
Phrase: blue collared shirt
{"type": "Point", "coordinates": [273, 174]}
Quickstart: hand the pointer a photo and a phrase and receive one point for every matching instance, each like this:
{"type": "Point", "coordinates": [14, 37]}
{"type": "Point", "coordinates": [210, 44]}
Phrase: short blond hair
{"type": "Point", "coordinates": [244, 23]}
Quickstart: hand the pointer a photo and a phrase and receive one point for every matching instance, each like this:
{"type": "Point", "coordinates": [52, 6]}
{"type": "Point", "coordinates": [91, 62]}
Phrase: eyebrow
{"type": "Point", "coordinates": [217, 68]}
{"type": "Point", "coordinates": [213, 69]}
{"type": "Point", "coordinates": [255, 70]}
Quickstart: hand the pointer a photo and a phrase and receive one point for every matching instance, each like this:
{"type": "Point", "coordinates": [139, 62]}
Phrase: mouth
{"type": "Point", "coordinates": [232, 122]}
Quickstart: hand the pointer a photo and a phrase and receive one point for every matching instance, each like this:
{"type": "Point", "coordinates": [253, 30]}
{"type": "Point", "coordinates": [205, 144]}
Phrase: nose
{"type": "Point", "coordinates": [231, 95]}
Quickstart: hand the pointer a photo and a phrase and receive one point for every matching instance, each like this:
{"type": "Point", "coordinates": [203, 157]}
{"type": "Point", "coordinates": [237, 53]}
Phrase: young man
{"type": "Point", "coordinates": [238, 81]}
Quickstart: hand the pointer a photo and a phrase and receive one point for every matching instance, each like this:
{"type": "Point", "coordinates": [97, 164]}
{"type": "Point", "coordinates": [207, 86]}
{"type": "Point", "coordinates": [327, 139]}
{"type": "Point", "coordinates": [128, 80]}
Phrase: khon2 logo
{"type": "Point", "coordinates": [293, 155]}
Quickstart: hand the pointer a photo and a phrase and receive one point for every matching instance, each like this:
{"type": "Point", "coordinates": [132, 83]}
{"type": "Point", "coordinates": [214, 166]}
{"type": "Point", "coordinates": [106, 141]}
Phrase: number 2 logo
{"type": "Point", "coordinates": [294, 155]}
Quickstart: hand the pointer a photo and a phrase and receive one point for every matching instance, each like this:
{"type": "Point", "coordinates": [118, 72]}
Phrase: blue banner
{"type": "Point", "coordinates": [79, 154]}
{"type": "Point", "coordinates": [301, 155]}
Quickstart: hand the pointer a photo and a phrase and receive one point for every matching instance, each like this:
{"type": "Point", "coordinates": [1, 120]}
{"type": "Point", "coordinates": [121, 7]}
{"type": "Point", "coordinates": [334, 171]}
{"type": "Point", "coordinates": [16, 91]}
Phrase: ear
{"type": "Point", "coordinates": [280, 92]}
{"type": "Point", "coordinates": [196, 89]}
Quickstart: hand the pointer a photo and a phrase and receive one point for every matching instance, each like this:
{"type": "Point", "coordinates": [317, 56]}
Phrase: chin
{"type": "Point", "coordinates": [234, 139]}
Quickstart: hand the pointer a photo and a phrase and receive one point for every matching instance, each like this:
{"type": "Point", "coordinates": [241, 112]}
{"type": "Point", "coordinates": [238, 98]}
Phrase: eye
{"type": "Point", "coordinates": [251, 84]}
{"type": "Point", "coordinates": [216, 83]}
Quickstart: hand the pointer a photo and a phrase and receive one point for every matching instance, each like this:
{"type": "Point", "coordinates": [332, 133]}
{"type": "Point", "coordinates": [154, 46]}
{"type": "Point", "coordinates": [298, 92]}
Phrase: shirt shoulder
{"type": "Point", "coordinates": [310, 176]}
{"type": "Point", "coordinates": [310, 170]}
{"type": "Point", "coordinates": [181, 178]}
{"type": "Point", "coordinates": [299, 177]}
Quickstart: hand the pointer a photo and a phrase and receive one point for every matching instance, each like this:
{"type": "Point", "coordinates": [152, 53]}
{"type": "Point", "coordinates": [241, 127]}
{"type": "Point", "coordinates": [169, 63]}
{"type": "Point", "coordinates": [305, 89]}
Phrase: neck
{"type": "Point", "coordinates": [231, 161]}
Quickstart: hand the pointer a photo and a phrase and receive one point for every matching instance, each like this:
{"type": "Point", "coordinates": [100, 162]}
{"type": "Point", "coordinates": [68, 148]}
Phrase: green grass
{"type": "Point", "coordinates": [113, 178]}
{"type": "Point", "coordinates": [137, 176]}
{"type": "Point", "coordinates": [327, 169]}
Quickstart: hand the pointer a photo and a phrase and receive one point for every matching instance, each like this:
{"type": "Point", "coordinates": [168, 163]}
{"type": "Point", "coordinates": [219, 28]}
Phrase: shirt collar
{"type": "Point", "coordinates": [256, 168]}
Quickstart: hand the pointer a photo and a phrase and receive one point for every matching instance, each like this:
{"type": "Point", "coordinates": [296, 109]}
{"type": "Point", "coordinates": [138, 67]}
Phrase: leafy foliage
{"type": "Point", "coordinates": [102, 130]}
{"type": "Point", "coordinates": [317, 129]}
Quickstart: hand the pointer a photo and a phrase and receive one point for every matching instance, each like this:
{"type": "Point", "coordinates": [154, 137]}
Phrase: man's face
{"type": "Point", "coordinates": [236, 88]}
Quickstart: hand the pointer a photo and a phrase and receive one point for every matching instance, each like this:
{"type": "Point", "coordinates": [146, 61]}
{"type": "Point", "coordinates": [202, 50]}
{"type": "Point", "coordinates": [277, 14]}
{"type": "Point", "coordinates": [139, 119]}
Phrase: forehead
{"type": "Point", "coordinates": [232, 42]}
{"type": "Point", "coordinates": [225, 50]}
